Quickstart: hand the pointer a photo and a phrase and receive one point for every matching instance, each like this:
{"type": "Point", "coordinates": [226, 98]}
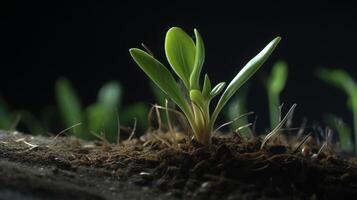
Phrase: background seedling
{"type": "Point", "coordinates": [100, 117]}
{"type": "Point", "coordinates": [274, 86]}
{"type": "Point", "coordinates": [186, 58]}
{"type": "Point", "coordinates": [343, 81]}
{"type": "Point", "coordinates": [7, 118]}
{"type": "Point", "coordinates": [14, 119]}
{"type": "Point", "coordinates": [238, 107]}
{"type": "Point", "coordinates": [343, 131]}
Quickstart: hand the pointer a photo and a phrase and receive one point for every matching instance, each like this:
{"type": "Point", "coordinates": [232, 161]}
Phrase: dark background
{"type": "Point", "coordinates": [89, 42]}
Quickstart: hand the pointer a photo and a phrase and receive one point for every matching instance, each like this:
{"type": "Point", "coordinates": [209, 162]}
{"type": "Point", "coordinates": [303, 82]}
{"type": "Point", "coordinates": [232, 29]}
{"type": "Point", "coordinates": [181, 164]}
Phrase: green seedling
{"type": "Point", "coordinates": [18, 119]}
{"type": "Point", "coordinates": [6, 117]}
{"type": "Point", "coordinates": [186, 58]}
{"type": "Point", "coordinates": [345, 82]}
{"type": "Point", "coordinates": [237, 109]}
{"type": "Point", "coordinates": [344, 132]}
{"type": "Point", "coordinates": [103, 116]}
{"type": "Point", "coordinates": [274, 86]}
{"type": "Point", "coordinates": [70, 107]}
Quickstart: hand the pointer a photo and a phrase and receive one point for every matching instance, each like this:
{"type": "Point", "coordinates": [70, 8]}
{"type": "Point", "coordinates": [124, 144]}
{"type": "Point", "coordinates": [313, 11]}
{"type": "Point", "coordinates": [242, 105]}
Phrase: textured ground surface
{"type": "Point", "coordinates": [162, 166]}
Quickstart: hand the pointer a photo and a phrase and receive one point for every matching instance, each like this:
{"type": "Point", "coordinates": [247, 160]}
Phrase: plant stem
{"type": "Point", "coordinates": [274, 111]}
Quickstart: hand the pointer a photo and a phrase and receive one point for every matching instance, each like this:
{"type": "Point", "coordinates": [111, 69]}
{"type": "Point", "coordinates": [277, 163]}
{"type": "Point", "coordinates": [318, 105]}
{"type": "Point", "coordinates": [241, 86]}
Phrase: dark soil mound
{"type": "Point", "coordinates": [168, 166]}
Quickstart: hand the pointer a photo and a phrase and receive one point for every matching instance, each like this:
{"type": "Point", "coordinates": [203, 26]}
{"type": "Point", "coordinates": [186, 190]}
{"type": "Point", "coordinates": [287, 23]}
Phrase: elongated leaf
{"type": "Point", "coordinates": [339, 79]}
{"type": "Point", "coordinates": [248, 70]}
{"type": "Point", "coordinates": [217, 89]}
{"type": "Point", "coordinates": [69, 106]}
{"type": "Point", "coordinates": [101, 119]}
{"type": "Point", "coordinates": [161, 76]}
{"type": "Point", "coordinates": [109, 95]}
{"type": "Point", "coordinates": [206, 90]}
{"type": "Point", "coordinates": [278, 77]}
{"type": "Point", "coordinates": [180, 52]}
{"type": "Point", "coordinates": [199, 60]}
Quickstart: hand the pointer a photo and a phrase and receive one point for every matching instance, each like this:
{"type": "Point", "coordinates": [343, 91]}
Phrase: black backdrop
{"type": "Point", "coordinates": [89, 42]}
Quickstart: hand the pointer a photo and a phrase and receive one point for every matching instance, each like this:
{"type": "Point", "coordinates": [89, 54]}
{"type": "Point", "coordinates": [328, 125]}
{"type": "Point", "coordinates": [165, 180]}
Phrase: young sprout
{"type": "Point", "coordinates": [275, 84]}
{"type": "Point", "coordinates": [186, 58]}
{"type": "Point", "coordinates": [6, 117]}
{"type": "Point", "coordinates": [343, 81]}
{"type": "Point", "coordinates": [69, 106]}
{"type": "Point", "coordinates": [237, 108]}
{"type": "Point", "coordinates": [101, 116]}
{"type": "Point", "coordinates": [344, 132]}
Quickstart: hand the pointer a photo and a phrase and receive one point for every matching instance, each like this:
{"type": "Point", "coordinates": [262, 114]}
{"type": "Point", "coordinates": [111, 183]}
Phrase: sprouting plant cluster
{"type": "Point", "coordinates": [186, 59]}
{"type": "Point", "coordinates": [192, 93]}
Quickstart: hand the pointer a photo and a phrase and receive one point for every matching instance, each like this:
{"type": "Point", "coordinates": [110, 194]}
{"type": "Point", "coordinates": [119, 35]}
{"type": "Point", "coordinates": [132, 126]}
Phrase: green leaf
{"type": "Point", "coordinates": [180, 52]}
{"type": "Point", "coordinates": [278, 77]}
{"type": "Point", "coordinates": [161, 76]}
{"type": "Point", "coordinates": [110, 95]}
{"type": "Point", "coordinates": [217, 89]}
{"type": "Point", "coordinates": [206, 90]}
{"type": "Point", "coordinates": [100, 118]}
{"type": "Point", "coordinates": [199, 60]}
{"type": "Point", "coordinates": [339, 79]}
{"type": "Point", "coordinates": [248, 70]}
{"type": "Point", "coordinates": [69, 106]}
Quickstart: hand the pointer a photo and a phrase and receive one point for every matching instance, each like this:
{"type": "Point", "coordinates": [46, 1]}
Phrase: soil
{"type": "Point", "coordinates": [169, 166]}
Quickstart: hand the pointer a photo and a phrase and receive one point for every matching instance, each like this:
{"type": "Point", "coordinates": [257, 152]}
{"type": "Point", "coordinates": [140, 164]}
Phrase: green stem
{"type": "Point", "coordinates": [242, 109]}
{"type": "Point", "coordinates": [274, 111]}
{"type": "Point", "coordinates": [202, 131]}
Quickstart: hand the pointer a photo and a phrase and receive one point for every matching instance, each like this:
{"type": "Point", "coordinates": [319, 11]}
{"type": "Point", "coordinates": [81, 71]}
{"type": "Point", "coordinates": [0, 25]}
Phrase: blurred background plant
{"type": "Point", "coordinates": [13, 119]}
{"type": "Point", "coordinates": [275, 84]}
{"type": "Point", "coordinates": [343, 81]}
{"type": "Point", "coordinates": [237, 112]}
{"type": "Point", "coordinates": [102, 119]}
{"type": "Point", "coordinates": [7, 118]}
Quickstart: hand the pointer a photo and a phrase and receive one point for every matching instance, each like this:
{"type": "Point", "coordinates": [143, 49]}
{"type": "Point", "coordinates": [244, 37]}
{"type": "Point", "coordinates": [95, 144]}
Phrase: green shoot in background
{"type": "Point", "coordinates": [100, 117]}
{"type": "Point", "coordinates": [186, 58]}
{"type": "Point", "coordinates": [12, 119]}
{"type": "Point", "coordinates": [274, 86]}
{"type": "Point", "coordinates": [7, 119]}
{"type": "Point", "coordinates": [70, 107]}
{"type": "Point", "coordinates": [344, 132]}
{"type": "Point", "coordinates": [345, 82]}
{"type": "Point", "coordinates": [238, 108]}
